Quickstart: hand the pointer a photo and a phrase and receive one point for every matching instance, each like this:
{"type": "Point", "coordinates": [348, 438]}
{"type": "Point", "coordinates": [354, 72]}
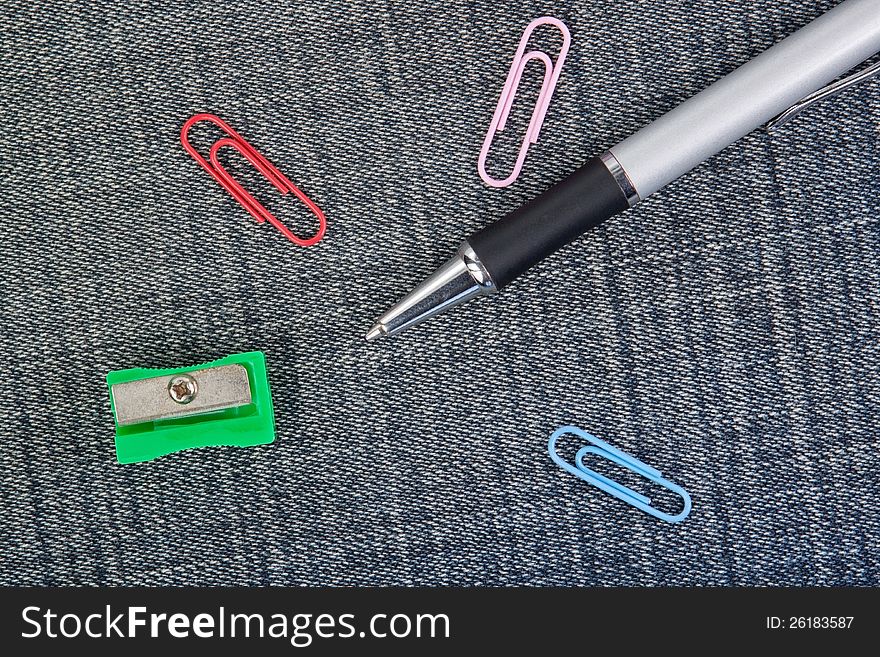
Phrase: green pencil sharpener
{"type": "Point", "coordinates": [226, 402]}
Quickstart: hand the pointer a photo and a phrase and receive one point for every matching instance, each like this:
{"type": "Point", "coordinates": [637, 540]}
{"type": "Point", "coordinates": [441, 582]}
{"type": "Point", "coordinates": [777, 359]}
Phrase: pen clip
{"type": "Point", "coordinates": [824, 93]}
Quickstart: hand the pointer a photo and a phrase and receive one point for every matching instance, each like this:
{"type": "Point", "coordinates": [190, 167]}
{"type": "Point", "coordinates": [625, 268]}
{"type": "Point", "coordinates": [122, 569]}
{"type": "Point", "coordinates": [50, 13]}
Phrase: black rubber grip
{"type": "Point", "coordinates": [530, 233]}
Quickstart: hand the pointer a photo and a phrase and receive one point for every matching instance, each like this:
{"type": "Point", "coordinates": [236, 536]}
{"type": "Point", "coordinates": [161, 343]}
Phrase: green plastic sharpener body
{"type": "Point", "coordinates": [226, 402]}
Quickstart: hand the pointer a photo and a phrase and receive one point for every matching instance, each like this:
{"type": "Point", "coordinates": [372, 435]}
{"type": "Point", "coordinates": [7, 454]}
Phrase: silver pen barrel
{"type": "Point", "coordinates": [748, 97]}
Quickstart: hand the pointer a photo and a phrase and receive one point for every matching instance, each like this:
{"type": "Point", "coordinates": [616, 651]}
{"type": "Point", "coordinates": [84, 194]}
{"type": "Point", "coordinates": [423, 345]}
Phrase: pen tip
{"type": "Point", "coordinates": [375, 333]}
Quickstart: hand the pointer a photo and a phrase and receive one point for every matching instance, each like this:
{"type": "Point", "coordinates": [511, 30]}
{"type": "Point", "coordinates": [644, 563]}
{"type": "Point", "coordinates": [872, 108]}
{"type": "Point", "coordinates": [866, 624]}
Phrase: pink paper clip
{"type": "Point", "coordinates": [502, 110]}
{"type": "Point", "coordinates": [239, 193]}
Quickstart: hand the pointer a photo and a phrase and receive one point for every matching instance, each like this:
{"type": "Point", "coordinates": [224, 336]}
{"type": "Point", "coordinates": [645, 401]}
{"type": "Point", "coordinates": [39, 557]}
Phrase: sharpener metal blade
{"type": "Point", "coordinates": [147, 400]}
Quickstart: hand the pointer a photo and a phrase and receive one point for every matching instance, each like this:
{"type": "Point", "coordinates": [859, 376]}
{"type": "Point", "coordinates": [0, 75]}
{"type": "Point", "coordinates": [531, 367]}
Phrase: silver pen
{"type": "Point", "coordinates": [784, 77]}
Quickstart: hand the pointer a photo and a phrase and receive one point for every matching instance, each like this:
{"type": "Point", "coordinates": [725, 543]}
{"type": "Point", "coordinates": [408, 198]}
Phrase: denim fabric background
{"type": "Point", "coordinates": [725, 331]}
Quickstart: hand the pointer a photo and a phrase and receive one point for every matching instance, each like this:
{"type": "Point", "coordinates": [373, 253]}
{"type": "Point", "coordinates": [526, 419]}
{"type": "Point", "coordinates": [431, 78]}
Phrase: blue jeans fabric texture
{"type": "Point", "coordinates": [725, 331]}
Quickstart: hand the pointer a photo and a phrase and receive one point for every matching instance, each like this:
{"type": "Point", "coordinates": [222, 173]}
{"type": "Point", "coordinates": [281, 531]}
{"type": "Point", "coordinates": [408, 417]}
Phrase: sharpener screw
{"type": "Point", "coordinates": [182, 388]}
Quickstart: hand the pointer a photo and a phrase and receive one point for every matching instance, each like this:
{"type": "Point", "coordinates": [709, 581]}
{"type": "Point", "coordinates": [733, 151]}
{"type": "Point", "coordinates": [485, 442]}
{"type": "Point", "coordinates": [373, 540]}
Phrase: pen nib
{"type": "Point", "coordinates": [375, 333]}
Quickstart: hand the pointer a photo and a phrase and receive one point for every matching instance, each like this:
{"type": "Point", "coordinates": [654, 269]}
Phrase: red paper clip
{"type": "Point", "coordinates": [239, 193]}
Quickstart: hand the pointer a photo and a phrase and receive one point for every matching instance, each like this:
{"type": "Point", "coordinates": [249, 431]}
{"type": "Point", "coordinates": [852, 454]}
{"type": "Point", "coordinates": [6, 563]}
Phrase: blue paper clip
{"type": "Point", "coordinates": [610, 486]}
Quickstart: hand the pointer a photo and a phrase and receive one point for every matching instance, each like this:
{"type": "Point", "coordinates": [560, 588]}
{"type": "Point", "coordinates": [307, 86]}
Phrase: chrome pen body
{"type": "Point", "coordinates": [461, 278]}
{"type": "Point", "coordinates": [661, 152]}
